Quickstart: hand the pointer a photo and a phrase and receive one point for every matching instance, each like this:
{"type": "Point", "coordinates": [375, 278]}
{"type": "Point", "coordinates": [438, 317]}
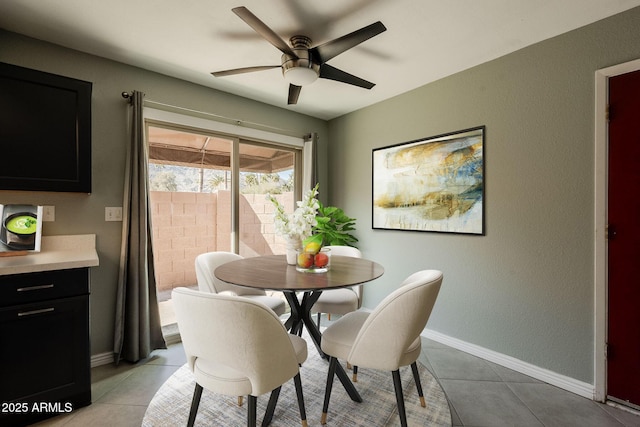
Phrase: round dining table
{"type": "Point", "coordinates": [272, 272]}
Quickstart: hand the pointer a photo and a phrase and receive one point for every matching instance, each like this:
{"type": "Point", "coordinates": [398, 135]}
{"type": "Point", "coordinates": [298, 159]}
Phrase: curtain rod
{"type": "Point", "coordinates": [237, 122]}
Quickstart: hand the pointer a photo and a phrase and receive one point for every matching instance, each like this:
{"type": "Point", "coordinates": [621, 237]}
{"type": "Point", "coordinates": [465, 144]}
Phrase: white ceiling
{"type": "Point", "coordinates": [425, 39]}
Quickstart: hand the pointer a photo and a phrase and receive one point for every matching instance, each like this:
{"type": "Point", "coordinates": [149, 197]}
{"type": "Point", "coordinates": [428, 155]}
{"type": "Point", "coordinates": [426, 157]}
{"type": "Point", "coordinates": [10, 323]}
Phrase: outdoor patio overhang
{"type": "Point", "coordinates": [181, 148]}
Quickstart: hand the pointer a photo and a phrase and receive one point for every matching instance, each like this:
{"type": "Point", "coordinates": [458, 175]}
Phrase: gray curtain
{"type": "Point", "coordinates": [137, 328]}
{"type": "Point", "coordinates": [310, 168]}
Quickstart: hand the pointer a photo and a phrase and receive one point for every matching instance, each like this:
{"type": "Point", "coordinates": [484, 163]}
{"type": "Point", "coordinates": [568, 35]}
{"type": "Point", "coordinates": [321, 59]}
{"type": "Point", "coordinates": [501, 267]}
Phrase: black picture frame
{"type": "Point", "coordinates": [431, 184]}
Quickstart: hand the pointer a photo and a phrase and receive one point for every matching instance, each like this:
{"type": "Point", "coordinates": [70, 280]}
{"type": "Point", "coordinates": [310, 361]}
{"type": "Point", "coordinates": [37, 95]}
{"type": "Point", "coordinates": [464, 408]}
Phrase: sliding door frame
{"type": "Point", "coordinates": [236, 134]}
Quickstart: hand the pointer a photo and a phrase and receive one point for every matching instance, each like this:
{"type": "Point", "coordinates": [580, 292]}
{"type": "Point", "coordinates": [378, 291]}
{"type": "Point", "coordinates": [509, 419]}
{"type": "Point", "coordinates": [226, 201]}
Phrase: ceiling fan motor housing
{"type": "Point", "coordinates": [302, 70]}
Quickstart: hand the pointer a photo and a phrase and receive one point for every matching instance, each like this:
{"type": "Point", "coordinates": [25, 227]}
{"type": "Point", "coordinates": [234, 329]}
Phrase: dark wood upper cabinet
{"type": "Point", "coordinates": [45, 131]}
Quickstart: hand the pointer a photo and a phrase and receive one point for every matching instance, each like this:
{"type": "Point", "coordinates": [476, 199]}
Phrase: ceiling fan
{"type": "Point", "coordinates": [302, 64]}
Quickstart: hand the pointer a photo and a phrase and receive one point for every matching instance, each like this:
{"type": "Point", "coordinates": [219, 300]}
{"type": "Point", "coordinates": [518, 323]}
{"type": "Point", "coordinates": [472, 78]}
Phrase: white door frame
{"type": "Point", "coordinates": [601, 184]}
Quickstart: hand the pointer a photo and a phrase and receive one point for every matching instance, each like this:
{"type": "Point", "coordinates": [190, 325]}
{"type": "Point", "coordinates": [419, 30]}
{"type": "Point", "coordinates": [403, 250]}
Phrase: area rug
{"type": "Point", "coordinates": [170, 406]}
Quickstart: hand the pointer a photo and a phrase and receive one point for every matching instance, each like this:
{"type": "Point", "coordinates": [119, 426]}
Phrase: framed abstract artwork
{"type": "Point", "coordinates": [431, 184]}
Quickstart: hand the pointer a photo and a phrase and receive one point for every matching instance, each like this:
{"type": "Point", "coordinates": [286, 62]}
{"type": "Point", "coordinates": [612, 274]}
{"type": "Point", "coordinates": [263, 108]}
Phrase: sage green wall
{"type": "Point", "coordinates": [526, 289]}
{"type": "Point", "coordinates": [82, 213]}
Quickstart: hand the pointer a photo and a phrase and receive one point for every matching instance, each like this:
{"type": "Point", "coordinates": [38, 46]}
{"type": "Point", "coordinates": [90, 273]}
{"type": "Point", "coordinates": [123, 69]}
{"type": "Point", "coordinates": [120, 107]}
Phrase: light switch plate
{"type": "Point", "coordinates": [113, 214]}
{"type": "Point", "coordinates": [48, 213]}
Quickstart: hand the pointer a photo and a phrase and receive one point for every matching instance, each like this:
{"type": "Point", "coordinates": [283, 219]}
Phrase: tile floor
{"type": "Point", "coordinates": [480, 393]}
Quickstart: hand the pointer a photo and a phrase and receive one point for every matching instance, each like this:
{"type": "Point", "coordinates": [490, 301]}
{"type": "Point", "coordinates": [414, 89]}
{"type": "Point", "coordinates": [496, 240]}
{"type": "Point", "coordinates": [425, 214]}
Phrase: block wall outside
{"type": "Point", "coordinates": [185, 225]}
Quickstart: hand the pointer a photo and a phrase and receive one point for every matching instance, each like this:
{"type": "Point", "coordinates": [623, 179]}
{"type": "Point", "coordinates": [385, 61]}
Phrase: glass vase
{"type": "Point", "coordinates": [293, 244]}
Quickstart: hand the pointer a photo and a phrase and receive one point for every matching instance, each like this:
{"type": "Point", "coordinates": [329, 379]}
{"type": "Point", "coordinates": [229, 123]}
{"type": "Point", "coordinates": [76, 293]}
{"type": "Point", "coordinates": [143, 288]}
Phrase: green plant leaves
{"type": "Point", "coordinates": [333, 225]}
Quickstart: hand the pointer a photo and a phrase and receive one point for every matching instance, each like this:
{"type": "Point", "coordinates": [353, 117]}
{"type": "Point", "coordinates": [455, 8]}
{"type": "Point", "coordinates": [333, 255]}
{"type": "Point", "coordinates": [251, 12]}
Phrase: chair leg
{"type": "Point", "coordinates": [397, 385]}
{"type": "Point", "coordinates": [240, 400]}
{"type": "Point", "coordinates": [416, 378]}
{"type": "Point", "coordinates": [195, 402]}
{"type": "Point", "coordinates": [251, 411]}
{"type": "Point", "coordinates": [303, 412]}
{"type": "Point", "coordinates": [271, 406]}
{"type": "Point", "coordinates": [327, 392]}
{"type": "Point", "coordinates": [355, 374]}
{"type": "Point", "coordinates": [319, 314]}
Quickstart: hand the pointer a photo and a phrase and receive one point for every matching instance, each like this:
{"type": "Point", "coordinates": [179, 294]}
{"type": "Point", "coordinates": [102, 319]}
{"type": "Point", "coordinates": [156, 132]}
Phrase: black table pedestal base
{"type": "Point", "coordinates": [301, 316]}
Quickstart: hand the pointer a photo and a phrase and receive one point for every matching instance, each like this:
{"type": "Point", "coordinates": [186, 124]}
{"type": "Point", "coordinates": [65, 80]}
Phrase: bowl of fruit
{"type": "Point", "coordinates": [313, 259]}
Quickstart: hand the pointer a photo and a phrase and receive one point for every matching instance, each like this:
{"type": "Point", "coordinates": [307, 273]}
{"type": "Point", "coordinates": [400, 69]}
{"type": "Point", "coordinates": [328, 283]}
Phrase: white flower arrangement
{"type": "Point", "coordinates": [299, 224]}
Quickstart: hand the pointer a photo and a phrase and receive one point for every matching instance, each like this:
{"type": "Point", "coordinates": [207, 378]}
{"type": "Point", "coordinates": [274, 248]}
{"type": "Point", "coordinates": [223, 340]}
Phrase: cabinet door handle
{"type": "Point", "coordinates": [32, 312]}
{"type": "Point", "coordinates": [35, 288]}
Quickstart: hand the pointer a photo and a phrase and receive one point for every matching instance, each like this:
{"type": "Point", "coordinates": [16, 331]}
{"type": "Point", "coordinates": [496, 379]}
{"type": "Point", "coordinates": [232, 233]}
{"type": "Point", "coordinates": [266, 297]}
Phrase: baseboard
{"type": "Point", "coordinates": [101, 359]}
{"type": "Point", "coordinates": [561, 381]}
{"type": "Point", "coordinates": [106, 358]}
{"type": "Point", "coordinates": [173, 338]}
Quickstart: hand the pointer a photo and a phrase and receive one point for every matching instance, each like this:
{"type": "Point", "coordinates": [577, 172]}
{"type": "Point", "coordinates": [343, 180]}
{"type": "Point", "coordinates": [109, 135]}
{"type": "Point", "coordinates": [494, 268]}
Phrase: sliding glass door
{"type": "Point", "coordinates": [263, 169]}
{"type": "Point", "coordinates": [208, 193]}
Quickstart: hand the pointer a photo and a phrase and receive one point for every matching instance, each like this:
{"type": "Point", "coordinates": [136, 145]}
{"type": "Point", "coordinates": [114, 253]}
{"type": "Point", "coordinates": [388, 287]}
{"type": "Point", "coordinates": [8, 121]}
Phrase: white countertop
{"type": "Point", "coordinates": [56, 253]}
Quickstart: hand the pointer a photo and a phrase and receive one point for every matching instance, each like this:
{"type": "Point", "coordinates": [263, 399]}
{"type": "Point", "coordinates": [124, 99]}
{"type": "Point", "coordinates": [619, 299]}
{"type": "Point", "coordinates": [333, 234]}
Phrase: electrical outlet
{"type": "Point", "coordinates": [48, 213]}
{"type": "Point", "coordinates": [113, 214]}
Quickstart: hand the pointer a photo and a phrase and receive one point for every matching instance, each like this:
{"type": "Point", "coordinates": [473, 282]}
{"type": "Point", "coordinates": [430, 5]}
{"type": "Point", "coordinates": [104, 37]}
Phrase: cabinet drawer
{"type": "Point", "coordinates": [43, 285]}
{"type": "Point", "coordinates": [45, 357]}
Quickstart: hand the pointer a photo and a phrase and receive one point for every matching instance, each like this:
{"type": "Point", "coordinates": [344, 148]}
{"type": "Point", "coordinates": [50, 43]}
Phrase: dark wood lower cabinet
{"type": "Point", "coordinates": [44, 345]}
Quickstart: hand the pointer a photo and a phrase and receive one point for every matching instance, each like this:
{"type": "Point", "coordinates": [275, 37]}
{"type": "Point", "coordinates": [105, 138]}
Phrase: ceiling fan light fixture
{"type": "Point", "coordinates": [301, 69]}
{"type": "Point", "coordinates": [301, 64]}
{"type": "Point", "coordinates": [300, 76]}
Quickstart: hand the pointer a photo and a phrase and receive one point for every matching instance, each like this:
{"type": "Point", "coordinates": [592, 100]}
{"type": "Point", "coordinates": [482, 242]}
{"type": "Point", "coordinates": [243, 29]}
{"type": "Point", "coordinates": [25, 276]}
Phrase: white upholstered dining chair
{"type": "Point", "coordinates": [340, 301]}
{"type": "Point", "coordinates": [207, 262]}
{"type": "Point", "coordinates": [237, 347]}
{"type": "Point", "coordinates": [387, 338]}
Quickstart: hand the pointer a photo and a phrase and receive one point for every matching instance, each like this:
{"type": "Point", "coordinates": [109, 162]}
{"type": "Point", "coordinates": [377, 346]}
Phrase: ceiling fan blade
{"type": "Point", "coordinates": [332, 73]}
{"type": "Point", "coordinates": [333, 48]}
{"type": "Point", "coordinates": [264, 31]}
{"type": "Point", "coordinates": [243, 70]}
{"type": "Point", "coordinates": [294, 93]}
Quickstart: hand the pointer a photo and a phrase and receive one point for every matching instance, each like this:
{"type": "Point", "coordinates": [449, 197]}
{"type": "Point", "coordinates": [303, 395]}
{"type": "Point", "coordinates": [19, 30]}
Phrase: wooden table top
{"type": "Point", "coordinates": [272, 272]}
